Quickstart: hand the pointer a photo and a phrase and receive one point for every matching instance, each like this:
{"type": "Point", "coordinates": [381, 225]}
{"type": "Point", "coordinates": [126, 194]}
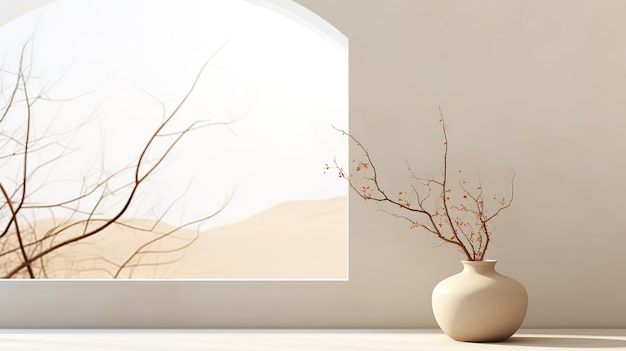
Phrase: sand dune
{"type": "Point", "coordinates": [294, 240]}
{"type": "Point", "coordinates": [306, 239]}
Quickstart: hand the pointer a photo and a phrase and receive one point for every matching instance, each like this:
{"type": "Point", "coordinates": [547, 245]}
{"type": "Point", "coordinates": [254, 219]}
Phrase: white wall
{"type": "Point", "coordinates": [529, 85]}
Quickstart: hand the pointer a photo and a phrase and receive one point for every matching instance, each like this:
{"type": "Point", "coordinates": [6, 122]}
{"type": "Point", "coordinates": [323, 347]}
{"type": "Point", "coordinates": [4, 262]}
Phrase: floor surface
{"type": "Point", "coordinates": [293, 340]}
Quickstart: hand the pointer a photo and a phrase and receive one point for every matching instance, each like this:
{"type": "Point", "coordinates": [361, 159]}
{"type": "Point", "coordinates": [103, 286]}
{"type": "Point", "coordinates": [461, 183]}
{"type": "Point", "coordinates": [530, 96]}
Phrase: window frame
{"type": "Point", "coordinates": [373, 296]}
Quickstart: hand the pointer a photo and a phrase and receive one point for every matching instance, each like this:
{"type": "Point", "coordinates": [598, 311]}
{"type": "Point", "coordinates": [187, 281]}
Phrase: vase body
{"type": "Point", "coordinates": [479, 304]}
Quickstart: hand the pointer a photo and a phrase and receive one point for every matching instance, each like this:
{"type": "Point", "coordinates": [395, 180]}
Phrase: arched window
{"type": "Point", "coordinates": [171, 139]}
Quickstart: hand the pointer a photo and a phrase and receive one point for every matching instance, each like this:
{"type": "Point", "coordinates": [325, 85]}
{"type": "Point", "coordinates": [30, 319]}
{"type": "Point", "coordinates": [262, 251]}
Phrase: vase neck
{"type": "Point", "coordinates": [479, 266]}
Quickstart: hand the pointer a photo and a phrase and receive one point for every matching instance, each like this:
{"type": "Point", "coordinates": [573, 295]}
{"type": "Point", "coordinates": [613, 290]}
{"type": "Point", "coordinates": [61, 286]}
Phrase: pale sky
{"type": "Point", "coordinates": [282, 83]}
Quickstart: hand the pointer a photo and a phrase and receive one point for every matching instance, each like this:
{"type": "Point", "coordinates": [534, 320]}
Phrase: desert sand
{"type": "Point", "coordinates": [293, 240]}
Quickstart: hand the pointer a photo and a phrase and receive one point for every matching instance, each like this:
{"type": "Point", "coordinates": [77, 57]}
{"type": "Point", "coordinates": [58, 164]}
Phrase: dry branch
{"type": "Point", "coordinates": [459, 217]}
{"type": "Point", "coordinates": [24, 251]}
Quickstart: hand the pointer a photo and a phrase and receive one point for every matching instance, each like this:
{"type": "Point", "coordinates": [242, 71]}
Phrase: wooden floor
{"type": "Point", "coordinates": [293, 340]}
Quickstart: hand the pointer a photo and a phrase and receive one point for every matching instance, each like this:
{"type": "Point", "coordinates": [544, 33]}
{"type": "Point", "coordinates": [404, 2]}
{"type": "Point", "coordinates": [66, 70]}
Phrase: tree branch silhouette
{"type": "Point", "coordinates": [25, 249]}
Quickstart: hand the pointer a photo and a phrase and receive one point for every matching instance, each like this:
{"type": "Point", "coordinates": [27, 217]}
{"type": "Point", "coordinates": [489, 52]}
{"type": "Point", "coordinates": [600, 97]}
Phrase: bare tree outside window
{"type": "Point", "coordinates": [31, 246]}
{"type": "Point", "coordinates": [126, 154]}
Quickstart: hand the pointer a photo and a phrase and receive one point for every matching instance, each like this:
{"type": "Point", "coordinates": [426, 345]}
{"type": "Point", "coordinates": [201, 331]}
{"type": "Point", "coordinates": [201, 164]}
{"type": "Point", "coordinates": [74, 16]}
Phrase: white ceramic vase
{"type": "Point", "coordinates": [479, 304]}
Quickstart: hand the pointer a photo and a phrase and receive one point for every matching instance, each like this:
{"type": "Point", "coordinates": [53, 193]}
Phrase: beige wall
{"type": "Point", "coordinates": [530, 85]}
{"type": "Point", "coordinates": [533, 86]}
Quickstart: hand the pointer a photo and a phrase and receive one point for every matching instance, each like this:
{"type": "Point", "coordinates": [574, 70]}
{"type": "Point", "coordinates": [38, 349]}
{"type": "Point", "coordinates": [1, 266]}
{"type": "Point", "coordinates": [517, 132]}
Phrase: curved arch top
{"type": "Point", "coordinates": [306, 17]}
{"type": "Point", "coordinates": [10, 9]}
